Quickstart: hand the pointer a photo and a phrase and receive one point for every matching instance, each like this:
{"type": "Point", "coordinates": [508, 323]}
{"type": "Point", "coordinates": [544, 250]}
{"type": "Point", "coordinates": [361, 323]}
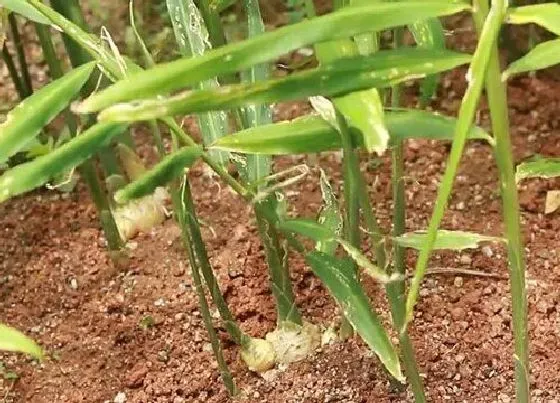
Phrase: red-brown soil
{"type": "Point", "coordinates": [58, 285]}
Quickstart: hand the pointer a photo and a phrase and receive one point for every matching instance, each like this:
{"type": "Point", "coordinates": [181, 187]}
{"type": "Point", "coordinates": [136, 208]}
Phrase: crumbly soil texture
{"type": "Point", "coordinates": [133, 332]}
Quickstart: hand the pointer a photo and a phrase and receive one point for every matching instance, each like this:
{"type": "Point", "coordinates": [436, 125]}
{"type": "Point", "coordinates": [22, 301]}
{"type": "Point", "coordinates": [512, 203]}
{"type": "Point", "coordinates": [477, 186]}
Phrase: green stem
{"type": "Point", "coordinates": [20, 51]}
{"type": "Point", "coordinates": [213, 24]}
{"type": "Point", "coordinates": [187, 211]}
{"type": "Point", "coordinates": [396, 290]}
{"type": "Point", "coordinates": [72, 11]}
{"type": "Point", "coordinates": [279, 275]}
{"type": "Point", "coordinates": [258, 167]}
{"type": "Point", "coordinates": [7, 57]}
{"type": "Point", "coordinates": [226, 375]}
{"type": "Point", "coordinates": [497, 101]}
{"type": "Point", "coordinates": [467, 113]}
{"type": "Point", "coordinates": [310, 9]}
{"type": "Point", "coordinates": [87, 169]}
{"type": "Point", "coordinates": [351, 175]}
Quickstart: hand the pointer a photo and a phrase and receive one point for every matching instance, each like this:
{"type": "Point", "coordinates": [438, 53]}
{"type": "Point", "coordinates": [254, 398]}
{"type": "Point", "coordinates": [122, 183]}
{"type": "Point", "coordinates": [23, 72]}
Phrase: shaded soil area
{"type": "Point", "coordinates": [135, 330]}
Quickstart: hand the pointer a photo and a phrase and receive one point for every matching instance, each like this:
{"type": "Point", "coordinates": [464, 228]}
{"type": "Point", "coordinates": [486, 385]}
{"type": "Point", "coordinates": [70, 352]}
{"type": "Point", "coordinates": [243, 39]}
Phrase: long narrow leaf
{"type": "Point", "coordinates": [476, 78]}
{"type": "Point", "coordinates": [14, 341]}
{"type": "Point", "coordinates": [238, 56]}
{"type": "Point", "coordinates": [428, 34]}
{"type": "Point", "coordinates": [321, 233]}
{"type": "Point", "coordinates": [192, 38]}
{"type": "Point", "coordinates": [312, 134]}
{"type": "Point", "coordinates": [28, 176]}
{"type": "Point", "coordinates": [28, 11]}
{"type": "Point", "coordinates": [27, 119]}
{"type": "Point", "coordinates": [330, 216]}
{"type": "Point", "coordinates": [543, 55]}
{"type": "Point", "coordinates": [363, 110]}
{"type": "Point", "coordinates": [539, 168]}
{"type": "Point", "coordinates": [164, 172]}
{"type": "Point", "coordinates": [258, 166]}
{"type": "Point", "coordinates": [342, 76]}
{"type": "Point", "coordinates": [342, 283]}
{"type": "Point", "coordinates": [546, 15]}
{"type": "Point", "coordinates": [446, 240]}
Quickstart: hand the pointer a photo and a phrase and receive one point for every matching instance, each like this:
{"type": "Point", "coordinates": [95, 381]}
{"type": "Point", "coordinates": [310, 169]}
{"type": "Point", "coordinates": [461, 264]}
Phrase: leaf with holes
{"type": "Point", "coordinates": [382, 69]}
{"type": "Point", "coordinates": [428, 34]}
{"type": "Point", "coordinates": [342, 283]}
{"type": "Point", "coordinates": [538, 168]}
{"type": "Point", "coordinates": [312, 134]}
{"type": "Point", "coordinates": [445, 240]}
{"type": "Point", "coordinates": [238, 56]}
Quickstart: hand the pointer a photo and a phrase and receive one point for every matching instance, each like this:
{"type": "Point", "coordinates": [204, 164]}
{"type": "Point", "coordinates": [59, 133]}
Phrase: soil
{"type": "Point", "coordinates": [134, 330]}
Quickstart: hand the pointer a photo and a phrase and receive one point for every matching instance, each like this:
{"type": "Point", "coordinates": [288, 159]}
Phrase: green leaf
{"type": "Point", "coordinates": [221, 5]}
{"type": "Point", "coordinates": [363, 110]}
{"type": "Point", "coordinates": [321, 233]}
{"type": "Point", "coordinates": [329, 216]}
{"type": "Point", "coordinates": [28, 11]}
{"type": "Point", "coordinates": [3, 26]}
{"type": "Point", "coordinates": [309, 228]}
{"type": "Point", "coordinates": [381, 69]}
{"type": "Point", "coordinates": [312, 134]}
{"type": "Point", "coordinates": [112, 66]}
{"type": "Point", "coordinates": [241, 55]}
{"type": "Point", "coordinates": [191, 36]}
{"type": "Point", "coordinates": [28, 176]}
{"type": "Point", "coordinates": [343, 285]}
{"type": "Point", "coordinates": [538, 168]}
{"type": "Point", "coordinates": [258, 166]}
{"type": "Point", "coordinates": [450, 240]}
{"type": "Point", "coordinates": [428, 34]}
{"type": "Point", "coordinates": [412, 123]}
{"type": "Point", "coordinates": [14, 341]}
{"type": "Point", "coordinates": [546, 15]}
{"type": "Point", "coordinates": [164, 172]}
{"type": "Point", "coordinates": [543, 55]}
{"type": "Point", "coordinates": [476, 80]}
{"type": "Point", "coordinates": [27, 119]}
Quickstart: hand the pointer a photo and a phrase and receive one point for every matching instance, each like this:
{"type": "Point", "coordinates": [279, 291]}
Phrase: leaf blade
{"type": "Point", "coordinates": [15, 341]}
{"type": "Point", "coordinates": [543, 55]}
{"type": "Point", "coordinates": [382, 69]}
{"type": "Point", "coordinates": [546, 15]}
{"type": "Point", "coordinates": [27, 119]}
{"type": "Point", "coordinates": [428, 34]}
{"type": "Point", "coordinates": [164, 172]}
{"type": "Point", "coordinates": [538, 168]}
{"type": "Point", "coordinates": [21, 7]}
{"type": "Point", "coordinates": [312, 134]}
{"type": "Point", "coordinates": [28, 176]}
{"type": "Point", "coordinates": [445, 240]}
{"type": "Point", "coordinates": [238, 56]}
{"type": "Point", "coordinates": [348, 293]}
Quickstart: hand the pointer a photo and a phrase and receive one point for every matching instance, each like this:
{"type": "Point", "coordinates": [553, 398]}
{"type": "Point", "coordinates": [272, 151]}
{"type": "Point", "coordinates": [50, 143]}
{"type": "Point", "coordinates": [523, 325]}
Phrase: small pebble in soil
{"type": "Point", "coordinates": [120, 398]}
{"type": "Point", "coordinates": [458, 282]}
{"type": "Point", "coordinates": [487, 251]}
{"type": "Point", "coordinates": [466, 260]}
{"type": "Point", "coordinates": [74, 284]}
{"type": "Point", "coordinates": [159, 302]}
